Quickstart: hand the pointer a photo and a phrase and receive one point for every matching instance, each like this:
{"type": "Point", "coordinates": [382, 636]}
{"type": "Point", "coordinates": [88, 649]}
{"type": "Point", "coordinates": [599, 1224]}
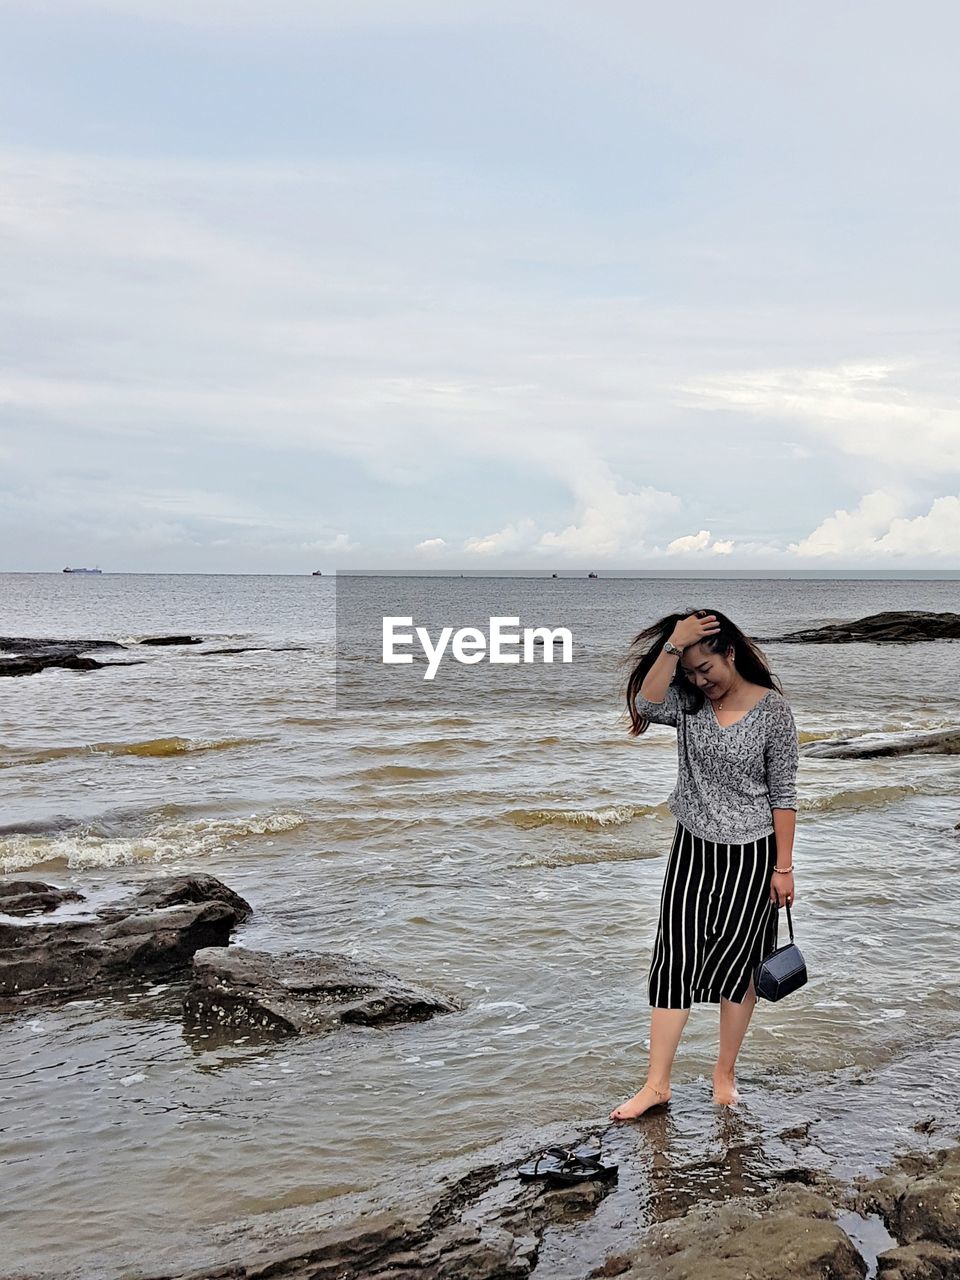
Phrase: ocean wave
{"type": "Point", "coordinates": [313, 722]}
{"type": "Point", "coordinates": [398, 773]}
{"type": "Point", "coordinates": [857, 730]}
{"type": "Point", "coordinates": [588, 819]}
{"type": "Point", "coordinates": [859, 798]}
{"type": "Point", "coordinates": [166, 841]}
{"type": "Point", "coordinates": [427, 747]}
{"type": "Point", "coordinates": [155, 748]}
{"type": "Point", "coordinates": [553, 858]}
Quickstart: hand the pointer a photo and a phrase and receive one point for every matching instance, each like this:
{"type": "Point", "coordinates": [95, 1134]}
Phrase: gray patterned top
{"type": "Point", "coordinates": [730, 779]}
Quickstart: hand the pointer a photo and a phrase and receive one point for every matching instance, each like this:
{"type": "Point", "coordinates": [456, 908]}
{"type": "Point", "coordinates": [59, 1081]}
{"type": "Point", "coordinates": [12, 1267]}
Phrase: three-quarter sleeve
{"type": "Point", "coordinates": [781, 755]}
{"type": "Point", "coordinates": [666, 712]}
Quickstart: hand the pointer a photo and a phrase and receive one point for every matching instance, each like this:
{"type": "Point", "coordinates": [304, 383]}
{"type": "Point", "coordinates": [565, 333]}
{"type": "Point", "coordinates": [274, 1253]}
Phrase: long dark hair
{"type": "Point", "coordinates": [647, 644]}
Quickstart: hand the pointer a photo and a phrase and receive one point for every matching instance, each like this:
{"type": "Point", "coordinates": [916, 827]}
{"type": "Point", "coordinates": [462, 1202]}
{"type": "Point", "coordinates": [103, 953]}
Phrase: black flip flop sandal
{"type": "Point", "coordinates": [562, 1167]}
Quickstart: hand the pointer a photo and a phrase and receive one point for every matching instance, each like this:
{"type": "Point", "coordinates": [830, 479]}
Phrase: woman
{"type": "Point", "coordinates": [731, 862]}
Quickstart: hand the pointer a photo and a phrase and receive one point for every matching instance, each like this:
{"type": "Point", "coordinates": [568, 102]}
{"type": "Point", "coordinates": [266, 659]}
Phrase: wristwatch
{"type": "Point", "coordinates": [672, 648]}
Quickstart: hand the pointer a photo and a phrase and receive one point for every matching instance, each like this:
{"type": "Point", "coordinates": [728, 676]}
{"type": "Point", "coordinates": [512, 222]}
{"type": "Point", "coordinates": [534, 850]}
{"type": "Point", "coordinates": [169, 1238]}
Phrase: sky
{"type": "Point", "coordinates": [430, 283]}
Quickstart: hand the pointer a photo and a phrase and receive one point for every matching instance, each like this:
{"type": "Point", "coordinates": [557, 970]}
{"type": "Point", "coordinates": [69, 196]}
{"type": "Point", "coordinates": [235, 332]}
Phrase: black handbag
{"type": "Point", "coordinates": [782, 971]}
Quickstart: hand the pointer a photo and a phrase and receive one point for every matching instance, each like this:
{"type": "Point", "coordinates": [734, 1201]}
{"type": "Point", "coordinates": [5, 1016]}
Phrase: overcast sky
{"type": "Point", "coordinates": [289, 284]}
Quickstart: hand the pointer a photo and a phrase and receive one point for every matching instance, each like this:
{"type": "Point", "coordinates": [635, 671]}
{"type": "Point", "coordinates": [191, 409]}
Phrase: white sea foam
{"type": "Point", "coordinates": [165, 842]}
{"type": "Point", "coordinates": [611, 816]}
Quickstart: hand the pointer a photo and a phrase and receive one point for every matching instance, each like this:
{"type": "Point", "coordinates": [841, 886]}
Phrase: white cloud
{"type": "Point", "coordinates": [877, 528]}
{"type": "Point", "coordinates": [431, 545]}
{"type": "Point", "coordinates": [897, 413]}
{"type": "Point", "coordinates": [699, 542]}
{"type": "Point", "coordinates": [342, 542]}
{"type": "Point", "coordinates": [512, 538]}
{"type": "Point", "coordinates": [610, 520]}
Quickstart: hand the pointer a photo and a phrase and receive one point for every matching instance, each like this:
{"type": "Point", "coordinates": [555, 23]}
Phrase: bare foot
{"type": "Point", "coordinates": [725, 1089]}
{"type": "Point", "coordinates": [640, 1102]}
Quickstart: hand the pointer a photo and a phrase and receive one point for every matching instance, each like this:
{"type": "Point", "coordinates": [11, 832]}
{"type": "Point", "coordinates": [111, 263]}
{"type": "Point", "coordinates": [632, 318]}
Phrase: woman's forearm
{"type": "Point", "coordinates": [784, 828]}
{"type": "Point", "coordinates": [658, 679]}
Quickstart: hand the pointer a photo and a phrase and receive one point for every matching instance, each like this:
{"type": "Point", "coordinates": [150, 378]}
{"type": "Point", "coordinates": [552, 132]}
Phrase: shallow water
{"type": "Point", "coordinates": [506, 849]}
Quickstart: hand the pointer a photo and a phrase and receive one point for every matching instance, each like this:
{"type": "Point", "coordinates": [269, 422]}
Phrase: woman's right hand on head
{"type": "Point", "coordinates": [694, 628]}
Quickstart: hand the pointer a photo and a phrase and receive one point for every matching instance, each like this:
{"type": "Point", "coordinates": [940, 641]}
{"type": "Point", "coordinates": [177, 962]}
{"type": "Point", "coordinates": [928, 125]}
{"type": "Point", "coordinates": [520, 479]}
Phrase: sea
{"type": "Point", "coordinates": [498, 837]}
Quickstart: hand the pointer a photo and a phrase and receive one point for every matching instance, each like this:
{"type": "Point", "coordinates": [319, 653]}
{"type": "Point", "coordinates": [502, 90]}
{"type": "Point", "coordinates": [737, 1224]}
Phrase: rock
{"type": "Point", "coordinates": [172, 640]}
{"type": "Point", "coordinates": [32, 655]}
{"type": "Point", "coordinates": [293, 993]}
{"type": "Point", "coordinates": [929, 1208]}
{"type": "Point", "coordinates": [28, 897]}
{"type": "Point", "coordinates": [921, 1201]}
{"type": "Point", "coordinates": [209, 653]}
{"type": "Point", "coordinates": [33, 645]}
{"type": "Point", "coordinates": [790, 1232]}
{"type": "Point", "coordinates": [902, 627]}
{"type": "Point", "coordinates": [147, 937]}
{"type": "Point", "coordinates": [33, 666]}
{"type": "Point", "coordinates": [923, 1261]}
{"type": "Point", "coordinates": [485, 1225]}
{"type": "Point", "coordinates": [382, 1247]}
{"type": "Point", "coordinates": [256, 648]}
{"type": "Point", "coordinates": [864, 746]}
{"type": "Point", "coordinates": [181, 889]}
{"type": "Point", "coordinates": [920, 1204]}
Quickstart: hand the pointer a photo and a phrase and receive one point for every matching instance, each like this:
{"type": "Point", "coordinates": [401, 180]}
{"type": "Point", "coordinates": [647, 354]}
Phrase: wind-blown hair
{"type": "Point", "coordinates": [647, 644]}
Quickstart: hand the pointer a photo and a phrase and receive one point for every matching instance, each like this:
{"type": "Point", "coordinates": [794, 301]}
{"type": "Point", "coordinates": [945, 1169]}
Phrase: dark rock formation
{"type": "Point", "coordinates": [790, 1232]}
{"type": "Point", "coordinates": [945, 742]}
{"type": "Point", "coordinates": [486, 1225]}
{"type": "Point", "coordinates": [32, 645]}
{"type": "Point", "coordinates": [897, 627]}
{"type": "Point", "coordinates": [155, 933]}
{"type": "Point", "coordinates": [172, 640]}
{"type": "Point", "coordinates": [30, 897]}
{"type": "Point", "coordinates": [291, 993]}
{"type": "Point", "coordinates": [210, 653]}
{"type": "Point", "coordinates": [180, 889]}
{"type": "Point", "coordinates": [256, 648]}
{"type": "Point", "coordinates": [920, 1204]}
{"type": "Point", "coordinates": [30, 655]}
{"type": "Point", "coordinates": [33, 666]}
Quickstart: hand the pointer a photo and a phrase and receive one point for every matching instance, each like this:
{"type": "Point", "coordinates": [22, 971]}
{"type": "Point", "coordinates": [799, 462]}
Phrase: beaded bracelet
{"type": "Point", "coordinates": [783, 871]}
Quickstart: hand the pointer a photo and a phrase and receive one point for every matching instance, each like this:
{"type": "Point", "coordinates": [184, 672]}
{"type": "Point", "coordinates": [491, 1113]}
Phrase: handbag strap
{"type": "Point", "coordinates": [789, 917]}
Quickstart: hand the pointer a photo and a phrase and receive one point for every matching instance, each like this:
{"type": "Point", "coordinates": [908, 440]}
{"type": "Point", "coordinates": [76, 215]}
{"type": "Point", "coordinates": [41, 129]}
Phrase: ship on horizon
{"type": "Point", "coordinates": [83, 571]}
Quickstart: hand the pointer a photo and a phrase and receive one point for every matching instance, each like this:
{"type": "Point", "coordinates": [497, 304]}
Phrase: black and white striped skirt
{"type": "Point", "coordinates": [716, 920]}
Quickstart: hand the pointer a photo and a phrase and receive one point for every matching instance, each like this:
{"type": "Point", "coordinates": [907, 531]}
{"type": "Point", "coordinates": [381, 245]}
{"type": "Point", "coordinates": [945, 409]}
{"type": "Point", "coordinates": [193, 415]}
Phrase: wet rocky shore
{"type": "Point", "coordinates": [807, 1224]}
{"type": "Point", "coordinates": [774, 1192]}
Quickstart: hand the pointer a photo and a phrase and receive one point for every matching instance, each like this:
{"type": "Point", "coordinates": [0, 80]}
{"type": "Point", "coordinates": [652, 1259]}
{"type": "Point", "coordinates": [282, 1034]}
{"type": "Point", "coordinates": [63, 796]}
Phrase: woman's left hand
{"type": "Point", "coordinates": [781, 888]}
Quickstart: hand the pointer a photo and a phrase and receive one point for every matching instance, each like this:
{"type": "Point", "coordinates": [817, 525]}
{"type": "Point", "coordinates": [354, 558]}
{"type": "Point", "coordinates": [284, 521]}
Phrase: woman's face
{"type": "Point", "coordinates": [714, 673]}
